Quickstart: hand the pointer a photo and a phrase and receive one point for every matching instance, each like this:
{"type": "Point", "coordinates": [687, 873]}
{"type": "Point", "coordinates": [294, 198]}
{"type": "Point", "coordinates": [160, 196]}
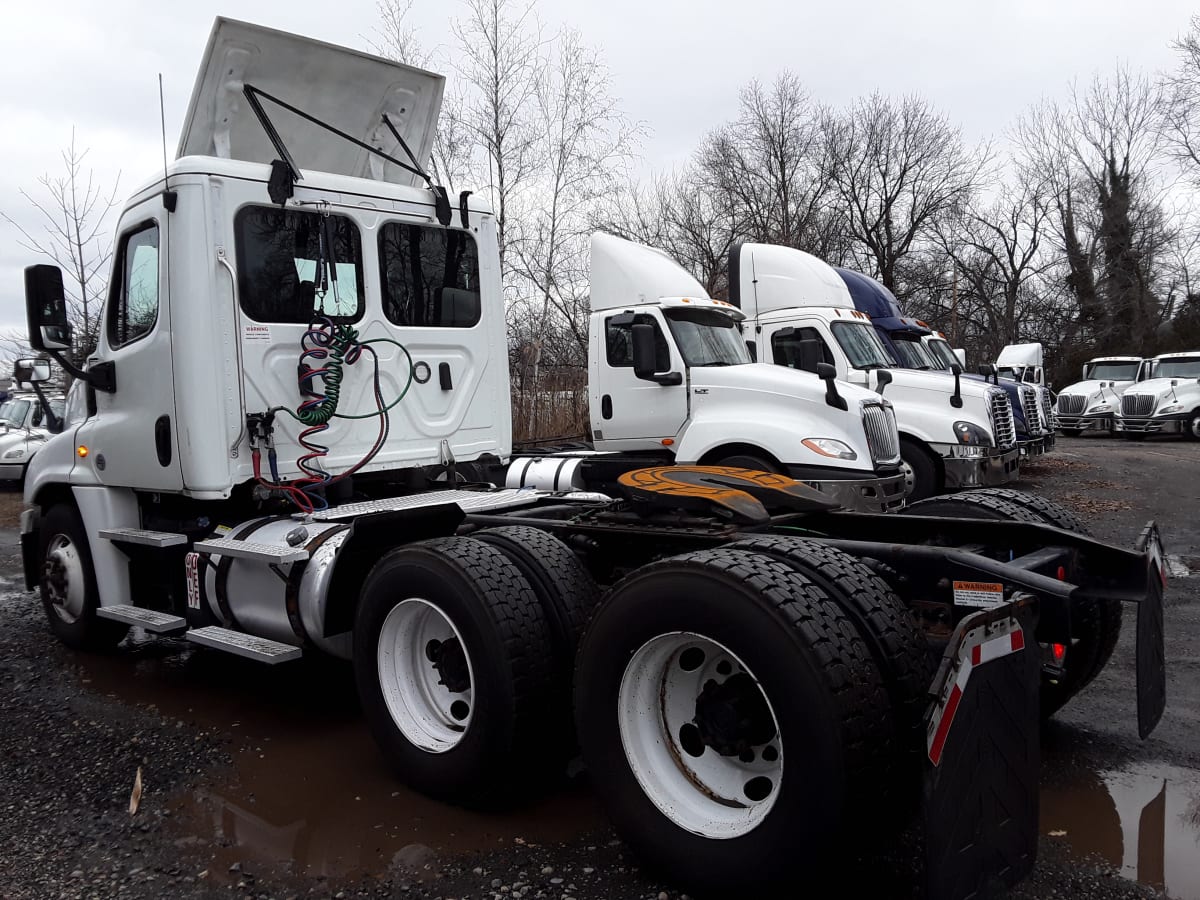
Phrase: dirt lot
{"type": "Point", "coordinates": [263, 782]}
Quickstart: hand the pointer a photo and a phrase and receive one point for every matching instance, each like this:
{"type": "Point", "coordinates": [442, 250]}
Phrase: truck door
{"type": "Point", "coordinates": [132, 438]}
{"type": "Point", "coordinates": [785, 346]}
{"type": "Point", "coordinates": [636, 412]}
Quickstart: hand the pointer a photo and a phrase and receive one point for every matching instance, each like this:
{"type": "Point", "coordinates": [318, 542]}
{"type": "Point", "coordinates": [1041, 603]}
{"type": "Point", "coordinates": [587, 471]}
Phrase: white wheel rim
{"type": "Point", "coordinates": [717, 792]}
{"type": "Point", "coordinates": [64, 578]}
{"type": "Point", "coordinates": [910, 477]}
{"type": "Point", "coordinates": [421, 657]}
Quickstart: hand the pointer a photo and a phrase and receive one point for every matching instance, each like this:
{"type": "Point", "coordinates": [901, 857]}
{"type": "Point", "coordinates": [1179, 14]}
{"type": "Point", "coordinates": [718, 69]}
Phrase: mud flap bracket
{"type": "Point", "coordinates": [1151, 653]}
{"type": "Point", "coordinates": [983, 758]}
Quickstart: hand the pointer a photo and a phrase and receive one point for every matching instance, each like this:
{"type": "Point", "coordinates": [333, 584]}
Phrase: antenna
{"type": "Point", "coordinates": [168, 197]}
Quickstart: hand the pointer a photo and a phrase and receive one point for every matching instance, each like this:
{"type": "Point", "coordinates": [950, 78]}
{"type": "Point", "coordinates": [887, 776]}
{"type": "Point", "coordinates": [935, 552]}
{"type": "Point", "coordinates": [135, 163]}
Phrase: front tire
{"type": "Point", "coordinates": [921, 470]}
{"type": "Point", "coordinates": [731, 718]}
{"type": "Point", "coordinates": [68, 584]}
{"type": "Point", "coordinates": [750, 461]}
{"type": "Point", "coordinates": [1071, 432]}
{"type": "Point", "coordinates": [1191, 430]}
{"type": "Point", "coordinates": [451, 658]}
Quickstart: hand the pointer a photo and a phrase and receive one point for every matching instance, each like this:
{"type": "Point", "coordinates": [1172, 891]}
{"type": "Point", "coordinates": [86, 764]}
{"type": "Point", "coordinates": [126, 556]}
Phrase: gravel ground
{"type": "Point", "coordinates": [262, 782]}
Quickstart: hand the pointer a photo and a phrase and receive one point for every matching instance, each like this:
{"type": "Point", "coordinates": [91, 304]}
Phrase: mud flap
{"type": "Point", "coordinates": [981, 772]}
{"type": "Point", "coordinates": [1151, 655]}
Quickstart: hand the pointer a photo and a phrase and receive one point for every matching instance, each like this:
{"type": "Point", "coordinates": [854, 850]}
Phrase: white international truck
{"type": "Point", "coordinates": [954, 433]}
{"type": "Point", "coordinates": [291, 362]}
{"type": "Point", "coordinates": [1093, 403]}
{"type": "Point", "coordinates": [670, 379]}
{"type": "Point", "coordinates": [1165, 401]}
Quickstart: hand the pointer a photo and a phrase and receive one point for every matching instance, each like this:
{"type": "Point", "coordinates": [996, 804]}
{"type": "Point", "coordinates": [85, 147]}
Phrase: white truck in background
{"type": "Point", "coordinates": [1166, 401]}
{"type": "Point", "coordinates": [670, 380]}
{"type": "Point", "coordinates": [955, 433]}
{"type": "Point", "coordinates": [1093, 402]}
{"type": "Point", "coordinates": [27, 421]}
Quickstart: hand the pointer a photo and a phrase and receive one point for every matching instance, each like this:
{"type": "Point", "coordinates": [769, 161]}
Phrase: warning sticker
{"type": "Point", "coordinates": [978, 593]}
{"type": "Point", "coordinates": [253, 332]}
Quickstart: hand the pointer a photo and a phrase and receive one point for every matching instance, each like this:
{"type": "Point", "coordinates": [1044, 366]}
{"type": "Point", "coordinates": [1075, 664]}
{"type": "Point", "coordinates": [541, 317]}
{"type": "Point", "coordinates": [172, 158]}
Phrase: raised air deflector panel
{"type": "Point", "coordinates": [627, 274]}
{"type": "Point", "coordinates": [770, 278]}
{"type": "Point", "coordinates": [345, 88]}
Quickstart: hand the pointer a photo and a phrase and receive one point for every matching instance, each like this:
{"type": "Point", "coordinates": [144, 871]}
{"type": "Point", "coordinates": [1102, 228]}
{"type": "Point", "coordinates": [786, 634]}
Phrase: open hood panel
{"type": "Point", "coordinates": [344, 88]}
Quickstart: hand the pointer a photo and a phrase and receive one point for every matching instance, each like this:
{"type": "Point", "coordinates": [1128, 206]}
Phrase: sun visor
{"type": "Point", "coordinates": [344, 88]}
{"type": "Point", "coordinates": [628, 274]}
{"type": "Point", "coordinates": [765, 277]}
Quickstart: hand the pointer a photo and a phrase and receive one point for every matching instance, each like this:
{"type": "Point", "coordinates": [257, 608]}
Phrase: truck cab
{"type": "Point", "coordinates": [697, 396]}
{"type": "Point", "coordinates": [1093, 402]}
{"type": "Point", "coordinates": [1166, 401]}
{"type": "Point", "coordinates": [1031, 413]}
{"type": "Point", "coordinates": [954, 433]}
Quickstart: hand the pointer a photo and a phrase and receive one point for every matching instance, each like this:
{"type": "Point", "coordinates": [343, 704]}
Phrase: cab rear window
{"type": "Point", "coordinates": [294, 264]}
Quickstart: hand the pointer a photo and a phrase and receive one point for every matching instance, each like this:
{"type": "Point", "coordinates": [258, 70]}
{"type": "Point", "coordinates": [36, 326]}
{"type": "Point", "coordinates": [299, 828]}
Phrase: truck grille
{"type": "Point", "coordinates": [1029, 410]}
{"type": "Point", "coordinates": [1003, 428]}
{"type": "Point", "coordinates": [1046, 406]}
{"type": "Point", "coordinates": [1137, 405]}
{"type": "Point", "coordinates": [883, 438]}
{"type": "Point", "coordinates": [1071, 405]}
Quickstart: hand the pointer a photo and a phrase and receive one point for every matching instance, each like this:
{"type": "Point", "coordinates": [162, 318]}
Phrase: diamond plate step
{"type": "Point", "coordinates": [269, 553]}
{"type": "Point", "coordinates": [149, 619]}
{"type": "Point", "coordinates": [143, 537]}
{"type": "Point", "coordinates": [242, 644]}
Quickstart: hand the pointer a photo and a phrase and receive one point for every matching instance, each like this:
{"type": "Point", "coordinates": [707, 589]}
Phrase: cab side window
{"type": "Point", "coordinates": [618, 339]}
{"type": "Point", "coordinates": [133, 298]}
{"type": "Point", "coordinates": [785, 346]}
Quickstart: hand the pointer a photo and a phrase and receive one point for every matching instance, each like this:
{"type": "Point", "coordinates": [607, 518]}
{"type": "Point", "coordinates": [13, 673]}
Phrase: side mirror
{"type": "Point", "coordinates": [956, 399]}
{"type": "Point", "coordinates": [31, 371]}
{"type": "Point", "coordinates": [46, 309]}
{"type": "Point", "coordinates": [36, 420]}
{"type": "Point", "coordinates": [986, 370]}
{"type": "Point", "coordinates": [643, 357]}
{"type": "Point", "coordinates": [828, 374]}
{"type": "Point", "coordinates": [810, 357]}
{"type": "Point", "coordinates": [882, 379]}
{"type": "Point", "coordinates": [752, 349]}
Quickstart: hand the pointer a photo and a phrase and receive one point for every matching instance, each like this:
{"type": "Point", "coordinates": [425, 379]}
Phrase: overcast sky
{"type": "Point", "coordinates": [676, 66]}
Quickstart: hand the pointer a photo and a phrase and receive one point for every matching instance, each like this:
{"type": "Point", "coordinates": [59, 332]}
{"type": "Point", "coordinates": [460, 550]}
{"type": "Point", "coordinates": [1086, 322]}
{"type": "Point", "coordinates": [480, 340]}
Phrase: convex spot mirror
{"type": "Point", "coordinates": [31, 371]}
{"type": "Point", "coordinates": [46, 309]}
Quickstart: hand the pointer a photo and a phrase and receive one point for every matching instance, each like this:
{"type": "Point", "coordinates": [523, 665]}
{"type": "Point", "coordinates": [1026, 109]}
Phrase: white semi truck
{"type": "Point", "coordinates": [291, 362]}
{"type": "Point", "coordinates": [1166, 401]}
{"type": "Point", "coordinates": [670, 380]}
{"type": "Point", "coordinates": [1093, 403]}
{"type": "Point", "coordinates": [955, 433]}
{"type": "Point", "coordinates": [27, 420]}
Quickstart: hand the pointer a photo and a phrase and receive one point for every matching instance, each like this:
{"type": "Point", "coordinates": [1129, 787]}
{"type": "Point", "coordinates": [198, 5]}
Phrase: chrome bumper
{"type": "Point", "coordinates": [1164, 425]}
{"type": "Point", "coordinates": [1102, 422]}
{"type": "Point", "coordinates": [999, 467]}
{"type": "Point", "coordinates": [1033, 447]}
{"type": "Point", "coordinates": [885, 494]}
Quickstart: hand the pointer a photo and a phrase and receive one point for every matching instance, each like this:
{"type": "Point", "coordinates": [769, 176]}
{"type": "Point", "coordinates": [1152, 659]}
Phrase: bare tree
{"type": "Point", "coordinates": [898, 167]}
{"type": "Point", "coordinates": [767, 168]}
{"type": "Point", "coordinates": [72, 210]}
{"type": "Point", "coordinates": [1180, 108]}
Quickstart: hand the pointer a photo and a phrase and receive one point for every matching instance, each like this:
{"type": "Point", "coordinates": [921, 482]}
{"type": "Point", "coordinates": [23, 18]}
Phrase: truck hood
{"type": "Point", "coordinates": [937, 382]}
{"type": "Point", "coordinates": [772, 379]}
{"type": "Point", "coordinates": [19, 436]}
{"type": "Point", "coordinates": [344, 88]}
{"type": "Point", "coordinates": [1092, 390]}
{"type": "Point", "coordinates": [1161, 387]}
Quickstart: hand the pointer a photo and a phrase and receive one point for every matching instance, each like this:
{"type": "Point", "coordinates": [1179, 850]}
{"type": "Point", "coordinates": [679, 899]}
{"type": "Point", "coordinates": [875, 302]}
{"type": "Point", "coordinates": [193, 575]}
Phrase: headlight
{"type": "Point", "coordinates": [14, 453]}
{"type": "Point", "coordinates": [829, 447]}
{"type": "Point", "coordinates": [1173, 406]}
{"type": "Point", "coordinates": [1100, 407]}
{"type": "Point", "coordinates": [971, 435]}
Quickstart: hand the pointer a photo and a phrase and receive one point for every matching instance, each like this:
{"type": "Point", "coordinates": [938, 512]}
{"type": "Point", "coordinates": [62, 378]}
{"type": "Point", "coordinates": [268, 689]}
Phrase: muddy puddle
{"type": "Point", "coordinates": [1143, 820]}
{"type": "Point", "coordinates": [309, 791]}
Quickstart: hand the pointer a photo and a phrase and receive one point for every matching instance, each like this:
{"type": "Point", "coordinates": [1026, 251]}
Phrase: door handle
{"type": "Point", "coordinates": [606, 406]}
{"type": "Point", "coordinates": [444, 377]}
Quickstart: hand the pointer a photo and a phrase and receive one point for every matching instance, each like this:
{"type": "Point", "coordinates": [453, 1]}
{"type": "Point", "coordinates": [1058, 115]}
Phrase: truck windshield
{"type": "Point", "coordinates": [911, 355]}
{"type": "Point", "coordinates": [14, 412]}
{"type": "Point", "coordinates": [942, 354]}
{"type": "Point", "coordinates": [1186, 367]}
{"type": "Point", "coordinates": [862, 346]}
{"type": "Point", "coordinates": [707, 338]}
{"type": "Point", "coordinates": [1111, 371]}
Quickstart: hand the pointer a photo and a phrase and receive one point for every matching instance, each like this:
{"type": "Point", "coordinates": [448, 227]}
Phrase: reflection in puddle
{"type": "Point", "coordinates": [309, 789]}
{"type": "Point", "coordinates": [1143, 821]}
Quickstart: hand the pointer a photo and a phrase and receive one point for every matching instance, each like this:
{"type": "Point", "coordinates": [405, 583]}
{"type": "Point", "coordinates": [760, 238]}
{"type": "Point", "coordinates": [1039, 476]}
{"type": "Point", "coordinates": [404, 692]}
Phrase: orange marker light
{"type": "Point", "coordinates": [667, 442]}
{"type": "Point", "coordinates": [82, 451]}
